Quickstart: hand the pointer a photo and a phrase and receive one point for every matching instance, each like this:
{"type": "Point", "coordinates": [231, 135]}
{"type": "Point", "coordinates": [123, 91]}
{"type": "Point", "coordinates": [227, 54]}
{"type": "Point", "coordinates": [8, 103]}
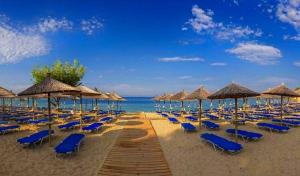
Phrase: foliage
{"type": "Point", "coordinates": [65, 72]}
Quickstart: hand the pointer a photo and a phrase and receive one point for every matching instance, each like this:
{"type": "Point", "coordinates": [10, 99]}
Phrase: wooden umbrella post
{"type": "Point", "coordinates": [200, 112]}
{"type": "Point", "coordinates": [11, 103]}
{"type": "Point", "coordinates": [81, 114]}
{"type": "Point", "coordinates": [49, 118]}
{"type": "Point", "coordinates": [33, 115]}
{"type": "Point", "coordinates": [235, 124]}
{"type": "Point", "coordinates": [281, 109]}
{"type": "Point", "coordinates": [3, 104]}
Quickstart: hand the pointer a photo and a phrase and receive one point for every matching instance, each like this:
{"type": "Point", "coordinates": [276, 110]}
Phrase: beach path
{"type": "Point", "coordinates": [137, 151]}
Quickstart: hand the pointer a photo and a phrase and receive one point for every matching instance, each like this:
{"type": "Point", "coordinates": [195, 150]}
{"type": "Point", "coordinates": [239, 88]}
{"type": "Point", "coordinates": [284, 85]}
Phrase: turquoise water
{"type": "Point", "coordinates": [137, 104]}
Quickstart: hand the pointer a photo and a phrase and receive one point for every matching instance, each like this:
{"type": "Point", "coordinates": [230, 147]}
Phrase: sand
{"type": "Point", "coordinates": [41, 160]}
{"type": "Point", "coordinates": [274, 155]}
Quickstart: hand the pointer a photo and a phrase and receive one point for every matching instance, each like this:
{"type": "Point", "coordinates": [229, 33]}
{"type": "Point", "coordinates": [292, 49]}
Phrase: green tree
{"type": "Point", "coordinates": [65, 72]}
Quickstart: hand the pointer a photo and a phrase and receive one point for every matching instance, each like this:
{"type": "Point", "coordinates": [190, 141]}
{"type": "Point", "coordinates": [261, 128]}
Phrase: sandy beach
{"type": "Point", "coordinates": [41, 160]}
{"type": "Point", "coordinates": [275, 154]}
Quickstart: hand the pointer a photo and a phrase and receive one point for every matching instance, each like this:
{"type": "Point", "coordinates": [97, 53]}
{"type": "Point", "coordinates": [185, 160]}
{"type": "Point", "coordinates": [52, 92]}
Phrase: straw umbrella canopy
{"type": "Point", "coordinates": [233, 91]}
{"type": "Point", "coordinates": [180, 96]}
{"type": "Point", "coordinates": [48, 86]}
{"type": "Point", "coordinates": [199, 94]}
{"type": "Point", "coordinates": [85, 92]}
{"type": "Point", "coordinates": [282, 91]}
{"type": "Point", "coordinates": [4, 93]}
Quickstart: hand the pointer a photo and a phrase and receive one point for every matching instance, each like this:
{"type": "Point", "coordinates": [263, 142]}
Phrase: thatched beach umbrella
{"type": "Point", "coordinates": [282, 91]}
{"type": "Point", "coordinates": [48, 86]}
{"type": "Point", "coordinates": [180, 96]}
{"type": "Point", "coordinates": [85, 92]}
{"type": "Point", "coordinates": [4, 93]}
{"type": "Point", "coordinates": [199, 94]}
{"type": "Point", "coordinates": [234, 91]}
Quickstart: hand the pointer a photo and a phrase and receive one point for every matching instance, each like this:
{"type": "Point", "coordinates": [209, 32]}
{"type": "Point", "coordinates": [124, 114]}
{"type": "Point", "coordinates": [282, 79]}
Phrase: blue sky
{"type": "Point", "coordinates": [145, 48]}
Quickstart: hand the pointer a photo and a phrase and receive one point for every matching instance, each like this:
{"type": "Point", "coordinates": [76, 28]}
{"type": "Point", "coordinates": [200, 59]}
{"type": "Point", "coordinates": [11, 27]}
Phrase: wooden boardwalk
{"type": "Point", "coordinates": [137, 151]}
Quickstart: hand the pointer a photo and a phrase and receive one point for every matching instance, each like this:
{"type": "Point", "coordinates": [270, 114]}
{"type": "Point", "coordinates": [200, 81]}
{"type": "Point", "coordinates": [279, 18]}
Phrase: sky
{"type": "Point", "coordinates": [146, 48]}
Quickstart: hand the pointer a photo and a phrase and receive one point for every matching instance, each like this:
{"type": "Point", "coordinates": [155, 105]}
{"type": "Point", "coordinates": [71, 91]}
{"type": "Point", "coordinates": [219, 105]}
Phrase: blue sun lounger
{"type": "Point", "coordinates": [273, 127]}
{"type": "Point", "coordinates": [246, 135]}
{"type": "Point", "coordinates": [222, 143]}
{"type": "Point", "coordinates": [88, 118]}
{"type": "Point", "coordinates": [188, 127]}
{"type": "Point", "coordinates": [173, 120]}
{"type": "Point", "coordinates": [92, 127]}
{"type": "Point", "coordinates": [39, 121]}
{"type": "Point", "coordinates": [293, 118]}
{"type": "Point", "coordinates": [212, 117]}
{"type": "Point", "coordinates": [7, 129]}
{"type": "Point", "coordinates": [210, 125]}
{"type": "Point", "coordinates": [64, 116]}
{"type": "Point", "coordinates": [24, 120]}
{"type": "Point", "coordinates": [106, 120]}
{"type": "Point", "coordinates": [287, 122]}
{"type": "Point", "coordinates": [34, 138]}
{"type": "Point", "coordinates": [69, 125]}
{"type": "Point", "coordinates": [165, 115]}
{"type": "Point", "coordinates": [191, 118]}
{"type": "Point", "coordinates": [70, 144]}
{"type": "Point", "coordinates": [251, 118]}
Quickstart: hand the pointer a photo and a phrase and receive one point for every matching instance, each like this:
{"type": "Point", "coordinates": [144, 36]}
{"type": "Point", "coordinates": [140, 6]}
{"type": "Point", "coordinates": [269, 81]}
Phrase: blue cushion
{"type": "Point", "coordinates": [245, 134]}
{"type": "Point", "coordinates": [92, 127]}
{"type": "Point", "coordinates": [211, 125]}
{"type": "Point", "coordinates": [188, 127]}
{"type": "Point", "coordinates": [70, 144]}
{"type": "Point", "coordinates": [273, 127]}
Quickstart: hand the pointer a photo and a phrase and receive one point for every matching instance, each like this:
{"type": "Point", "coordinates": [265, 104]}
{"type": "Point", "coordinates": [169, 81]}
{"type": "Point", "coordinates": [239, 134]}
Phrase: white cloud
{"type": "Point", "coordinates": [233, 32]}
{"type": "Point", "coordinates": [51, 24]}
{"type": "Point", "coordinates": [256, 53]}
{"type": "Point", "coordinates": [297, 63]}
{"type": "Point", "coordinates": [91, 25]}
{"type": "Point", "coordinates": [203, 23]}
{"type": "Point", "coordinates": [202, 20]}
{"type": "Point", "coordinates": [296, 37]}
{"type": "Point", "coordinates": [289, 12]}
{"type": "Point", "coordinates": [185, 77]}
{"type": "Point", "coordinates": [180, 59]}
{"type": "Point", "coordinates": [16, 46]}
{"type": "Point", "coordinates": [218, 64]}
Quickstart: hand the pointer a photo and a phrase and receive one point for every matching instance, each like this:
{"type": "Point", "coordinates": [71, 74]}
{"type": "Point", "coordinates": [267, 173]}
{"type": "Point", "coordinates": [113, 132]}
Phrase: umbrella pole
{"type": "Point", "coordinates": [49, 118]}
{"type": "Point", "coordinates": [11, 104]}
{"type": "Point", "coordinates": [33, 115]}
{"type": "Point", "coordinates": [170, 106]}
{"type": "Point", "coordinates": [181, 107]}
{"type": "Point", "coordinates": [281, 109]}
{"type": "Point", "coordinates": [200, 112]}
{"type": "Point", "coordinates": [235, 124]}
{"type": "Point", "coordinates": [3, 104]}
{"type": "Point", "coordinates": [81, 111]}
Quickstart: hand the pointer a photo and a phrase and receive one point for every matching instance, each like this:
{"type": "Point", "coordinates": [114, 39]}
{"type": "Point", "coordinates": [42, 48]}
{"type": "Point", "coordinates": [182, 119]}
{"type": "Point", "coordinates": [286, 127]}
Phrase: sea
{"type": "Point", "coordinates": [137, 104]}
